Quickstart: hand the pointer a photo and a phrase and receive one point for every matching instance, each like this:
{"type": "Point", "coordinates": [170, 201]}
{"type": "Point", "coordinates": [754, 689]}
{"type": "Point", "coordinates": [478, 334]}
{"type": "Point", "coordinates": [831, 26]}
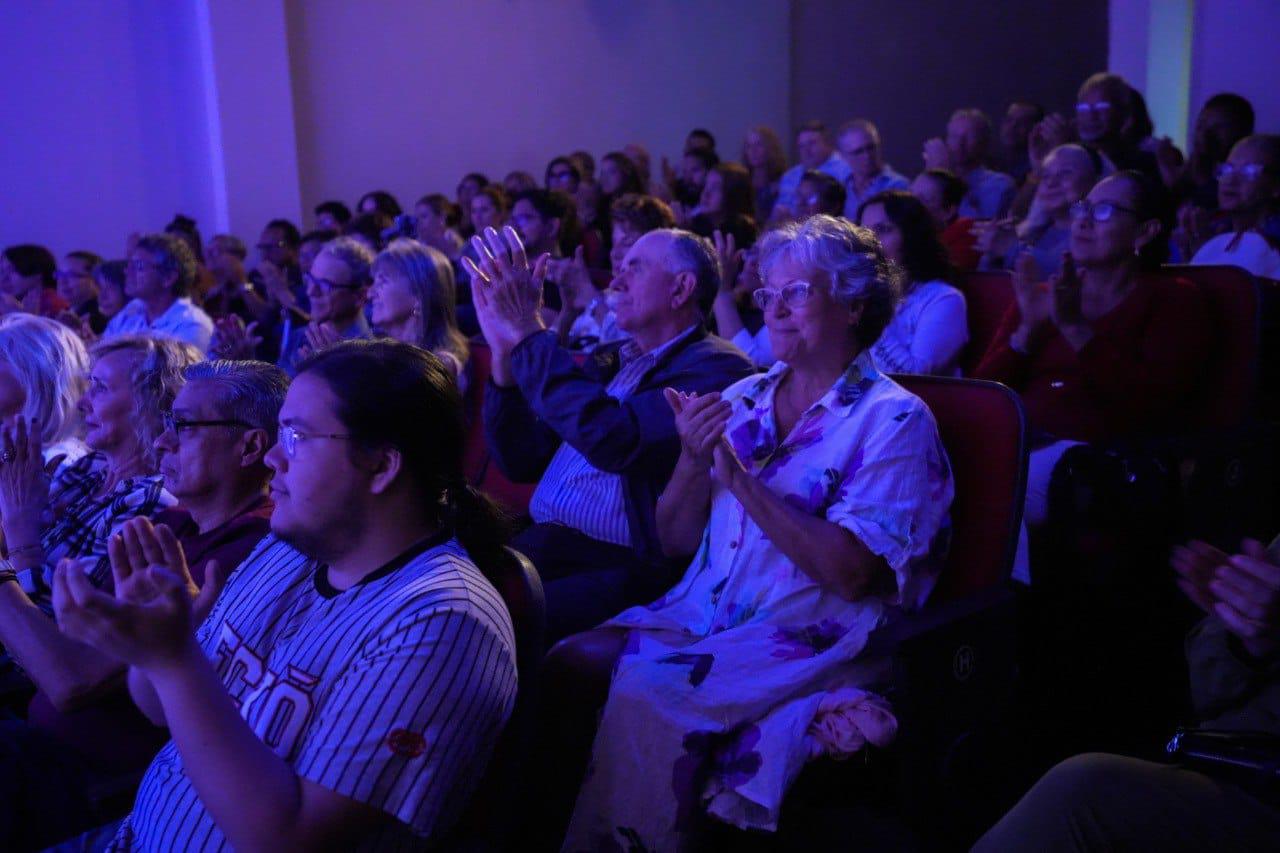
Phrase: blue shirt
{"type": "Point", "coordinates": [888, 179]}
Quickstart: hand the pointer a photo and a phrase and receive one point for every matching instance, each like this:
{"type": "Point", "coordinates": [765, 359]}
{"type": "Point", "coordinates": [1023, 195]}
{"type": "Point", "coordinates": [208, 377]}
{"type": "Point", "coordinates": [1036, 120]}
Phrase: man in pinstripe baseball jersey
{"type": "Point", "coordinates": [349, 684]}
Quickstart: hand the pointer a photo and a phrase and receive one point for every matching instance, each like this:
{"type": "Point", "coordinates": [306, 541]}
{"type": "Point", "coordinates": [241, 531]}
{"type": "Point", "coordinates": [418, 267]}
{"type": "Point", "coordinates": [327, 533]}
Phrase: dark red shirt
{"type": "Point", "coordinates": [112, 733]}
{"type": "Point", "coordinates": [1138, 373]}
{"type": "Point", "coordinates": [961, 245]}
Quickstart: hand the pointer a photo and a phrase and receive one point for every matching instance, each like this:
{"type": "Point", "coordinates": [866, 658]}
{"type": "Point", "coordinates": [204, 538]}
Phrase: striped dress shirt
{"type": "Point", "coordinates": [392, 692]}
{"type": "Point", "coordinates": [575, 493]}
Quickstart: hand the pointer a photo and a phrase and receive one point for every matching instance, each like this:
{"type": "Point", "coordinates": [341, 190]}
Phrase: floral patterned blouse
{"type": "Point", "coordinates": [761, 644]}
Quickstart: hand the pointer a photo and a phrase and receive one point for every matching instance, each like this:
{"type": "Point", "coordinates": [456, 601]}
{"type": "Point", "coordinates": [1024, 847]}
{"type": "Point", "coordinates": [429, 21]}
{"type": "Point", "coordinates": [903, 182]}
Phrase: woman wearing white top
{"type": "Point", "coordinates": [413, 301]}
{"type": "Point", "coordinates": [929, 330]}
{"type": "Point", "coordinates": [43, 371]}
{"type": "Point", "coordinates": [1249, 191]}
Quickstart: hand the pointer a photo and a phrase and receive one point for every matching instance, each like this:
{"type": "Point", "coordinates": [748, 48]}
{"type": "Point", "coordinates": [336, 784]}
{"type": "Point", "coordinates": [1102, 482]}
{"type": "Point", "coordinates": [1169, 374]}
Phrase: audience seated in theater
{"type": "Point", "coordinates": [686, 192]}
{"type": "Point", "coordinates": [332, 215]}
{"type": "Point", "coordinates": [941, 192]}
{"type": "Point", "coordinates": [470, 184]}
{"type": "Point", "coordinates": [1111, 802]}
{"type": "Point", "coordinates": [546, 221]}
{"type": "Point", "coordinates": [396, 643]}
{"type": "Point", "coordinates": [597, 437]}
{"type": "Point", "coordinates": [81, 729]}
{"type": "Point", "coordinates": [132, 383]}
{"type": "Point", "coordinates": [859, 144]}
{"type": "Point", "coordinates": [368, 229]}
{"type": "Point", "coordinates": [412, 300]}
{"type": "Point", "coordinates": [435, 225]}
{"type": "Point", "coordinates": [618, 177]}
{"type": "Point", "coordinates": [763, 155]}
{"type": "Point", "coordinates": [965, 152]}
{"type": "Point", "coordinates": [379, 201]}
{"type": "Point", "coordinates": [1015, 129]}
{"type": "Point", "coordinates": [586, 165]}
{"type": "Point", "coordinates": [312, 244]}
{"type": "Point", "coordinates": [819, 193]}
{"type": "Point", "coordinates": [1104, 106]}
{"type": "Point", "coordinates": [489, 207]}
{"type": "Point", "coordinates": [639, 155]}
{"type": "Point", "coordinates": [726, 205]}
{"type": "Point", "coordinates": [518, 182]}
{"type": "Point", "coordinates": [158, 282]}
{"type": "Point", "coordinates": [185, 229]}
{"type": "Point", "coordinates": [278, 280]}
{"type": "Point", "coordinates": [232, 293]}
{"type": "Point", "coordinates": [928, 330]}
{"type": "Point", "coordinates": [337, 287]}
{"type": "Point", "coordinates": [699, 139]}
{"type": "Point", "coordinates": [79, 289]}
{"type": "Point", "coordinates": [1249, 193]}
{"type": "Point", "coordinates": [812, 496]}
{"type": "Point", "coordinates": [562, 175]}
{"type": "Point", "coordinates": [1066, 175]}
{"type": "Point", "coordinates": [585, 320]}
{"type": "Point", "coordinates": [110, 276]}
{"type": "Point", "coordinates": [816, 154]}
{"type": "Point", "coordinates": [1104, 349]}
{"type": "Point", "coordinates": [1223, 121]}
{"type": "Point", "coordinates": [28, 282]}
{"type": "Point", "coordinates": [43, 371]}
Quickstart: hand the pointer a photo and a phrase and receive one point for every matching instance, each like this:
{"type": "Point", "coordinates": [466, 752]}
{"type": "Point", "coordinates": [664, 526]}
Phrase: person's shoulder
{"type": "Point", "coordinates": [444, 579]}
{"type": "Point", "coordinates": [897, 411]}
{"type": "Point", "coordinates": [716, 350]}
{"type": "Point", "coordinates": [938, 289]}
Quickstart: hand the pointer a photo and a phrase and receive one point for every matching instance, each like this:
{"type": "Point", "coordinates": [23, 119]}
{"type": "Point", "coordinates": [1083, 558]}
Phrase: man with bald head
{"type": "Point", "coordinates": [599, 438]}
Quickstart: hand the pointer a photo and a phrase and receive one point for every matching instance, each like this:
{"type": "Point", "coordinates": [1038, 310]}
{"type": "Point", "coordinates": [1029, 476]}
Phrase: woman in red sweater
{"type": "Point", "coordinates": [1104, 349]}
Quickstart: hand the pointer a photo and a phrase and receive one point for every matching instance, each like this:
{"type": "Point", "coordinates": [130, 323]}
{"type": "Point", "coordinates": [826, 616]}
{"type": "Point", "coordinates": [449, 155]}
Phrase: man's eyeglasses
{"type": "Point", "coordinates": [180, 426]}
{"type": "Point", "coordinates": [325, 285]}
{"type": "Point", "coordinates": [289, 436]}
{"type": "Point", "coordinates": [1100, 212]}
{"type": "Point", "coordinates": [1249, 171]}
{"type": "Point", "coordinates": [1084, 108]}
{"type": "Point", "coordinates": [793, 295]}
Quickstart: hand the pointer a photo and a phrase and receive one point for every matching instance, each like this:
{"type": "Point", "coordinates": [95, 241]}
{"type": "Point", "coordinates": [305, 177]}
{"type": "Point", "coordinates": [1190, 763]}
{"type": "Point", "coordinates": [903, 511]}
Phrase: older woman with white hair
{"type": "Point", "coordinates": [43, 371]}
{"type": "Point", "coordinates": [132, 383]}
{"type": "Point", "coordinates": [812, 496]}
{"type": "Point", "coordinates": [413, 301]}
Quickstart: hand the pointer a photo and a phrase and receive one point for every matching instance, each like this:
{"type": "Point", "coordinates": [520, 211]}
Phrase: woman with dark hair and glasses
{"type": "Point", "coordinates": [928, 329]}
{"type": "Point", "coordinates": [1249, 193]}
{"type": "Point", "coordinates": [1104, 349]}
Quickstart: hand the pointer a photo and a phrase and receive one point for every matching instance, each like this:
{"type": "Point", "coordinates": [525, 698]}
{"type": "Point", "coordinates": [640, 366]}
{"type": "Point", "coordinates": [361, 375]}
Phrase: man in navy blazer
{"type": "Point", "coordinates": [599, 438]}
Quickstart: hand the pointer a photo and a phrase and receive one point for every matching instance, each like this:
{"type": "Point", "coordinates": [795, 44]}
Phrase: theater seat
{"type": "Point", "coordinates": [477, 462]}
{"type": "Point", "coordinates": [953, 663]}
{"type": "Point", "coordinates": [987, 297]}
{"type": "Point", "coordinates": [487, 822]}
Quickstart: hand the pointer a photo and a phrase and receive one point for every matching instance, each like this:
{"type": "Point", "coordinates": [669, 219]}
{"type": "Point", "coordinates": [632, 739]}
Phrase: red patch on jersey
{"type": "Point", "coordinates": [406, 743]}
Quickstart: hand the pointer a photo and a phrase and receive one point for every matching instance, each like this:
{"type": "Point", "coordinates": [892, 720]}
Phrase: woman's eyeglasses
{"type": "Point", "coordinates": [1249, 171]}
{"type": "Point", "coordinates": [793, 295]}
{"type": "Point", "coordinates": [1099, 212]}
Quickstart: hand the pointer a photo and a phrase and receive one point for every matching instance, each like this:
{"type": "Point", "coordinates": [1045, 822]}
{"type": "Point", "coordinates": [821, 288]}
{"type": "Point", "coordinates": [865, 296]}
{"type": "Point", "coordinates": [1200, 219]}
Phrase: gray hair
{"type": "Point", "coordinates": [356, 256]}
{"type": "Point", "coordinates": [248, 391]}
{"type": "Point", "coordinates": [174, 256]}
{"type": "Point", "coordinates": [50, 362]}
{"type": "Point", "coordinates": [429, 276]}
{"type": "Point", "coordinates": [852, 259]}
{"type": "Point", "coordinates": [687, 252]}
{"type": "Point", "coordinates": [865, 125]}
{"type": "Point", "coordinates": [156, 379]}
{"type": "Point", "coordinates": [979, 117]}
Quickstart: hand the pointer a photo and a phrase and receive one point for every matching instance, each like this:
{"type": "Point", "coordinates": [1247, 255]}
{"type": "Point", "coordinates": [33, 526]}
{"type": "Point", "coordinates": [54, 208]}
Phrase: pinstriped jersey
{"type": "Point", "coordinates": [392, 692]}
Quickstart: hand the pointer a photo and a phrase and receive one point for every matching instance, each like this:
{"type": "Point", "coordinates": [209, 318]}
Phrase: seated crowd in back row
{"type": "Point", "coordinates": [241, 543]}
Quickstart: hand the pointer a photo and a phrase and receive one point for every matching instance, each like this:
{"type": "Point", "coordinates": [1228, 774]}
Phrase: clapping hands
{"type": "Point", "coordinates": [1242, 590]}
{"type": "Point", "coordinates": [507, 292]}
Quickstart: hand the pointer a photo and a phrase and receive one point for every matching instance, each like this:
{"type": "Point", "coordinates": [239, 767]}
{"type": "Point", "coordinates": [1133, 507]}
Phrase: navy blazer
{"type": "Point", "coordinates": [554, 399]}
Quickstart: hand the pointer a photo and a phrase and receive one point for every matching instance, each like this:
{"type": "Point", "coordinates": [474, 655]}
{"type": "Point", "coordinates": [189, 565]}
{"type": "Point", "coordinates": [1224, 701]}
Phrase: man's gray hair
{"type": "Point", "coordinates": [852, 259]}
{"type": "Point", "coordinates": [356, 256]}
{"type": "Point", "coordinates": [248, 391]}
{"type": "Point", "coordinates": [687, 252]}
{"type": "Point", "coordinates": [172, 256]}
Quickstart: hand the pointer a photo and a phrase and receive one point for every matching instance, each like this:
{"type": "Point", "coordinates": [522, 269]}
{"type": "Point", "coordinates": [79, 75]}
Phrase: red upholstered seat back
{"type": "Point", "coordinates": [987, 296]}
{"type": "Point", "coordinates": [983, 431]}
{"type": "Point", "coordinates": [1231, 378]}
